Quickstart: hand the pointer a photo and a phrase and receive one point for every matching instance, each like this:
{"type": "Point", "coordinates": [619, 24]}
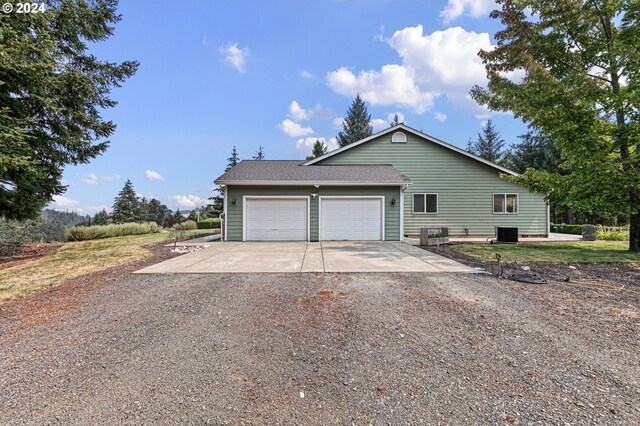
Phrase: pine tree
{"type": "Point", "coordinates": [126, 206]}
{"type": "Point", "coordinates": [177, 217]}
{"type": "Point", "coordinates": [157, 212]}
{"type": "Point", "coordinates": [259, 154]}
{"type": "Point", "coordinates": [233, 160]}
{"type": "Point", "coordinates": [101, 218]}
{"type": "Point", "coordinates": [319, 149]}
{"type": "Point", "coordinates": [53, 94]}
{"type": "Point", "coordinates": [488, 145]}
{"type": "Point", "coordinates": [357, 124]}
{"type": "Point", "coordinates": [395, 122]}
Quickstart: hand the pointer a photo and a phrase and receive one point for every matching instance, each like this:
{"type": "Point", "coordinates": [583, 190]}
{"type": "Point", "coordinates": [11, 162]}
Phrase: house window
{"type": "Point", "coordinates": [425, 203]}
{"type": "Point", "coordinates": [398, 137]}
{"type": "Point", "coordinates": [505, 203]}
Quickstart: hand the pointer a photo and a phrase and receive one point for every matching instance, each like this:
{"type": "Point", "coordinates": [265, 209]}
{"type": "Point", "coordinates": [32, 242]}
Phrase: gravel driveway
{"type": "Point", "coordinates": [320, 349]}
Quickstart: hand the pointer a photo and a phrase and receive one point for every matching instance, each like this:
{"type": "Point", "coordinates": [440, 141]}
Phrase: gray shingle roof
{"type": "Point", "coordinates": [283, 171]}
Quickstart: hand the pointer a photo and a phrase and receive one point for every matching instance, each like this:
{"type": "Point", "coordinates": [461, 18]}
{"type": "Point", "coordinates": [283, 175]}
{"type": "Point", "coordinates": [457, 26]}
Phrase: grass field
{"type": "Point", "coordinates": [573, 252]}
{"type": "Point", "coordinates": [78, 258]}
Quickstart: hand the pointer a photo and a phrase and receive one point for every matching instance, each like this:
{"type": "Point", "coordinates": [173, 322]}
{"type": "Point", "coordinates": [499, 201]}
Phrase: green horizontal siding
{"type": "Point", "coordinates": [464, 186]}
{"type": "Point", "coordinates": [234, 211]}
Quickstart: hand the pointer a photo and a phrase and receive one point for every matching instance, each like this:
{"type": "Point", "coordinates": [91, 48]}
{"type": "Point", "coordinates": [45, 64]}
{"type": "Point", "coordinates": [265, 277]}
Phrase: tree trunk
{"type": "Point", "coordinates": [634, 223]}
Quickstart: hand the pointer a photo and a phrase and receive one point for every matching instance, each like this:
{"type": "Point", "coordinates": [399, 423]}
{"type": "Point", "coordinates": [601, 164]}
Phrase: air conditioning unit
{"type": "Point", "coordinates": [506, 234]}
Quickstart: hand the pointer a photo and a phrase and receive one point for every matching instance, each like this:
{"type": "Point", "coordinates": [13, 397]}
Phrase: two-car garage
{"type": "Point", "coordinates": [339, 218]}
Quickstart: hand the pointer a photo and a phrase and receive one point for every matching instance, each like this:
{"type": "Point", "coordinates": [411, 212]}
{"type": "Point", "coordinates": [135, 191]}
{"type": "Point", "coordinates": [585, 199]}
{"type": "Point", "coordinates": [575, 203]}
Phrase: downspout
{"type": "Point", "coordinates": [402, 188]}
{"type": "Point", "coordinates": [224, 211]}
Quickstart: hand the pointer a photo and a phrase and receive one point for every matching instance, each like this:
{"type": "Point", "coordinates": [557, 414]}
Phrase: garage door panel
{"type": "Point", "coordinates": [276, 219]}
{"type": "Point", "coordinates": [355, 219]}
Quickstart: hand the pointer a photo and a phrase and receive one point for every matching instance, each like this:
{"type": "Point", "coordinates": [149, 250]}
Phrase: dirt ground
{"type": "Point", "coordinates": [621, 274]}
{"type": "Point", "coordinates": [319, 349]}
{"type": "Point", "coordinates": [17, 254]}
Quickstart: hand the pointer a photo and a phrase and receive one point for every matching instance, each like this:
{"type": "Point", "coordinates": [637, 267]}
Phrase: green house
{"type": "Point", "coordinates": [384, 187]}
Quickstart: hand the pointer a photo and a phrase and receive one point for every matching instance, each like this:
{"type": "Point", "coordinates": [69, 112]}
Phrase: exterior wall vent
{"type": "Point", "coordinates": [399, 137]}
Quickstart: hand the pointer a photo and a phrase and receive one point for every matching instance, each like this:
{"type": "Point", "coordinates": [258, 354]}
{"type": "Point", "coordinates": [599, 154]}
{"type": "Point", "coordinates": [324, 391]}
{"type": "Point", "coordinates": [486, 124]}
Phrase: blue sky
{"type": "Point", "coordinates": [278, 74]}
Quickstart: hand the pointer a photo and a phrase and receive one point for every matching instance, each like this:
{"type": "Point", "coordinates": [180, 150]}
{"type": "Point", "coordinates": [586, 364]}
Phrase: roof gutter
{"type": "Point", "coordinates": [307, 183]}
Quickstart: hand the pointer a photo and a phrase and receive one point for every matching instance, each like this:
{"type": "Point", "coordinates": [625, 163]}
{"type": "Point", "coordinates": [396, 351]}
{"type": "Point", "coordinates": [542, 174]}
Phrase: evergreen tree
{"type": "Point", "coordinates": [233, 160]}
{"type": "Point", "coordinates": [319, 149]}
{"type": "Point", "coordinates": [157, 212]}
{"type": "Point", "coordinates": [101, 218]}
{"type": "Point", "coordinates": [535, 151]}
{"type": "Point", "coordinates": [177, 217]}
{"type": "Point", "coordinates": [488, 144]}
{"type": "Point", "coordinates": [259, 154]}
{"type": "Point", "coordinates": [53, 91]}
{"type": "Point", "coordinates": [126, 206]}
{"type": "Point", "coordinates": [357, 124]}
{"type": "Point", "coordinates": [395, 122]}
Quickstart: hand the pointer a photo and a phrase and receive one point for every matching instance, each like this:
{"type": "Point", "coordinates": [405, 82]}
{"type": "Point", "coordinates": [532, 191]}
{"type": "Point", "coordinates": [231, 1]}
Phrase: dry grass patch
{"type": "Point", "coordinates": [75, 259]}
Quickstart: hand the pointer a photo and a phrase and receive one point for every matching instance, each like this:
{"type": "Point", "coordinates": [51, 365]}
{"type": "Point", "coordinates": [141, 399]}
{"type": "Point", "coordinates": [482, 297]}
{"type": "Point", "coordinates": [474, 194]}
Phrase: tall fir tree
{"type": "Point", "coordinates": [101, 218]}
{"type": "Point", "coordinates": [536, 151]}
{"type": "Point", "coordinates": [259, 154]}
{"type": "Point", "coordinates": [488, 144]}
{"type": "Point", "coordinates": [126, 206]}
{"type": "Point", "coordinates": [357, 124]}
{"type": "Point", "coordinates": [319, 149]}
{"type": "Point", "coordinates": [396, 121]}
{"type": "Point", "coordinates": [233, 160]}
{"type": "Point", "coordinates": [53, 92]}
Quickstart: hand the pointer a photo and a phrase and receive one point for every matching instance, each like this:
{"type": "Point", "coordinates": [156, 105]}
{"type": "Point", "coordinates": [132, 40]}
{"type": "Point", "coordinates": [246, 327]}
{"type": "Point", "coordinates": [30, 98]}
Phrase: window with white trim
{"type": "Point", "coordinates": [425, 203]}
{"type": "Point", "coordinates": [505, 203]}
{"type": "Point", "coordinates": [398, 137]}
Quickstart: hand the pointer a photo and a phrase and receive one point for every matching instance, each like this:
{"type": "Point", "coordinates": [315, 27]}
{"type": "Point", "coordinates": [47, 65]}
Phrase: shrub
{"type": "Point", "coordinates": [189, 225]}
{"type": "Point", "coordinates": [212, 223]}
{"type": "Point", "coordinates": [83, 233]}
{"type": "Point", "coordinates": [567, 229]}
{"type": "Point", "coordinates": [613, 236]}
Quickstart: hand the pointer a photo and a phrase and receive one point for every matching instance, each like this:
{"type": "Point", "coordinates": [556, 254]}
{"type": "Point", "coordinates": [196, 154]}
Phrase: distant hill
{"type": "Point", "coordinates": [50, 226]}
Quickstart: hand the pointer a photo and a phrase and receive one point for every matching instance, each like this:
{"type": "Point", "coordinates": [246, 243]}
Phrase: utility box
{"type": "Point", "coordinates": [506, 234]}
{"type": "Point", "coordinates": [588, 232]}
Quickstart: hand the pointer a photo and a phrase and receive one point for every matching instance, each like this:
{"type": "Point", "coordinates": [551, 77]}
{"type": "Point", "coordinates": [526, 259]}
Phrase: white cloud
{"type": "Point", "coordinates": [337, 122]}
{"type": "Point", "coordinates": [62, 202]}
{"type": "Point", "coordinates": [110, 178]}
{"type": "Point", "coordinates": [90, 179]}
{"type": "Point", "coordinates": [440, 116]}
{"type": "Point", "coordinates": [293, 129]}
{"type": "Point", "coordinates": [306, 74]}
{"type": "Point", "coordinates": [187, 201]}
{"type": "Point", "coordinates": [443, 63]}
{"type": "Point", "coordinates": [306, 144]}
{"type": "Point", "coordinates": [205, 40]}
{"type": "Point", "coordinates": [392, 85]}
{"type": "Point", "coordinates": [152, 175]}
{"type": "Point", "coordinates": [475, 8]}
{"type": "Point", "coordinates": [298, 113]}
{"type": "Point", "coordinates": [235, 56]}
{"type": "Point", "coordinates": [379, 124]}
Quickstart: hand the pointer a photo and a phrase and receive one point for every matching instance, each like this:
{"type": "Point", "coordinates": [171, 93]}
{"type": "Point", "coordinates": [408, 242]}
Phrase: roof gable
{"type": "Point", "coordinates": [415, 132]}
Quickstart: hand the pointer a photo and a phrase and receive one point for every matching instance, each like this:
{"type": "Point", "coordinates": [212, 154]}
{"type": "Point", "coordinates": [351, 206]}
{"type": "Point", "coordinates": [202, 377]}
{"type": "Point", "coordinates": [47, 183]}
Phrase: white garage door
{"type": "Point", "coordinates": [278, 219]}
{"type": "Point", "coordinates": [351, 219]}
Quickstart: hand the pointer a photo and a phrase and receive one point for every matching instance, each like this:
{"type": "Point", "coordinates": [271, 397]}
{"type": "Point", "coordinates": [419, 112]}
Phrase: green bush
{"type": "Point", "coordinates": [189, 225]}
{"type": "Point", "coordinates": [567, 229]}
{"type": "Point", "coordinates": [83, 233]}
{"type": "Point", "coordinates": [613, 236]}
{"type": "Point", "coordinates": [212, 223]}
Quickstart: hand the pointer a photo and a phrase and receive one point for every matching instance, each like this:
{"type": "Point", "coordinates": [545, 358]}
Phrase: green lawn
{"type": "Point", "coordinates": [574, 252]}
{"type": "Point", "coordinates": [78, 258]}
